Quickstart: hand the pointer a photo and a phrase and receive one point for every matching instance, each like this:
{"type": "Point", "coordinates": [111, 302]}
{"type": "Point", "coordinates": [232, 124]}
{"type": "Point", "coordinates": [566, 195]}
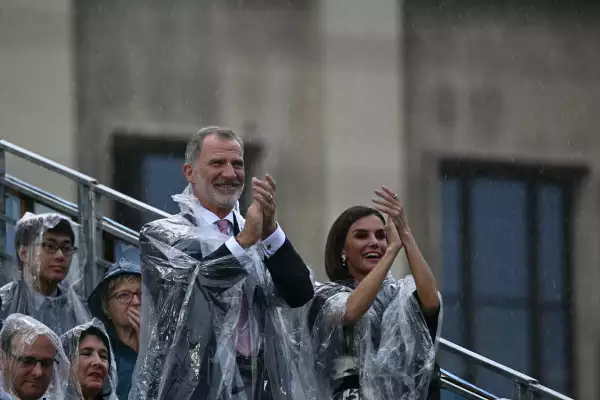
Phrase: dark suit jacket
{"type": "Point", "coordinates": [181, 355]}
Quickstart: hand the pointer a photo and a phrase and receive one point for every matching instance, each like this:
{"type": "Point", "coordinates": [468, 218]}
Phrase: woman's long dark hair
{"type": "Point", "coordinates": [335, 268]}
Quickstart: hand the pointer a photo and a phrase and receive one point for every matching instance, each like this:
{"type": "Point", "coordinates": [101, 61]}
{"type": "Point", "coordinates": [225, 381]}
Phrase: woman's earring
{"type": "Point", "coordinates": [343, 259]}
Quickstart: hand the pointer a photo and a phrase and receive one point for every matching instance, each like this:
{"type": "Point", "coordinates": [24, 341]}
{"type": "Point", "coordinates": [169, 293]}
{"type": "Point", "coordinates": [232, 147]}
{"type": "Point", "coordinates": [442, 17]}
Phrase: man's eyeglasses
{"type": "Point", "coordinates": [31, 362]}
{"type": "Point", "coordinates": [125, 297]}
{"type": "Point", "coordinates": [52, 248]}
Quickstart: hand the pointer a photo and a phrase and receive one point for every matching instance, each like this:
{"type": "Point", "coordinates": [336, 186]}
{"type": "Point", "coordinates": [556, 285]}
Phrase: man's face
{"type": "Point", "coordinates": [29, 369]}
{"type": "Point", "coordinates": [218, 176]}
{"type": "Point", "coordinates": [48, 260]}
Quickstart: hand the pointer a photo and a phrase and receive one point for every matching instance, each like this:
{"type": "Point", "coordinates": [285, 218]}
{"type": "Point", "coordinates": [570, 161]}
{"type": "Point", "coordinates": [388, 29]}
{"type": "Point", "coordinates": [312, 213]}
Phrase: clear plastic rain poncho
{"type": "Point", "coordinates": [27, 354]}
{"type": "Point", "coordinates": [190, 315]}
{"type": "Point", "coordinates": [70, 342]}
{"type": "Point", "coordinates": [390, 350]}
{"type": "Point", "coordinates": [41, 264]}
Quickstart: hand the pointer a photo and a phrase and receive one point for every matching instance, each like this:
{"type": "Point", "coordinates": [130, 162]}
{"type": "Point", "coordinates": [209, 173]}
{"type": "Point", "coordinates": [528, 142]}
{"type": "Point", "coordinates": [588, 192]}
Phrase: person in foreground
{"type": "Point", "coordinates": [371, 336]}
{"type": "Point", "coordinates": [116, 302]}
{"type": "Point", "coordinates": [93, 371]}
{"type": "Point", "coordinates": [34, 365]}
{"type": "Point", "coordinates": [46, 277]}
{"type": "Point", "coordinates": [213, 284]}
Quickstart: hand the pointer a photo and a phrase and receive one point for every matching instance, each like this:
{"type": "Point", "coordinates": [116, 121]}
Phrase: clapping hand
{"type": "Point", "coordinates": [389, 204]}
{"type": "Point", "coordinates": [267, 197]}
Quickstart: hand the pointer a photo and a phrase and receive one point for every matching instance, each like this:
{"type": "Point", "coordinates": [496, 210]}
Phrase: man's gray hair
{"type": "Point", "coordinates": [194, 146]}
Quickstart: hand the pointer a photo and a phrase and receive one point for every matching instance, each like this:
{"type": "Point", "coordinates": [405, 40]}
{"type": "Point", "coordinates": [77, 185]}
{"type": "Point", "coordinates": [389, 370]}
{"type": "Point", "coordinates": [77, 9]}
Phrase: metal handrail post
{"type": "Point", "coordinates": [91, 224]}
{"type": "Point", "coordinates": [522, 392]}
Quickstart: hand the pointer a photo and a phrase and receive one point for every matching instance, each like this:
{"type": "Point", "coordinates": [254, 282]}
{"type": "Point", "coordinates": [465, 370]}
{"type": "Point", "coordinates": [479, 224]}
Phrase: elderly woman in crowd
{"type": "Point", "coordinates": [116, 302]}
{"type": "Point", "coordinates": [93, 372]}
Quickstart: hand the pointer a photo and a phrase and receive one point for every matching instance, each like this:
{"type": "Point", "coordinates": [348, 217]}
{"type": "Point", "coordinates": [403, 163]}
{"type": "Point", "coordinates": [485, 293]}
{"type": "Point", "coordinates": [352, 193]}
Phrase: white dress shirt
{"type": "Point", "coordinates": [269, 246]}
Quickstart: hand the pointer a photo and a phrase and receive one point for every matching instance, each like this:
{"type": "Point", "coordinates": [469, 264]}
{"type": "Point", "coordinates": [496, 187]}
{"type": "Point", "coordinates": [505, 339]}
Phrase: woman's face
{"type": "Point", "coordinates": [124, 296]}
{"type": "Point", "coordinates": [92, 364]}
{"type": "Point", "coordinates": [365, 245]}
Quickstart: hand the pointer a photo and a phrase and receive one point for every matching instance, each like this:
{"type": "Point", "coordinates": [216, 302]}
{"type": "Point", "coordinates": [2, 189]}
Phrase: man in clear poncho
{"type": "Point", "coordinates": [93, 368]}
{"type": "Point", "coordinates": [211, 286]}
{"type": "Point", "coordinates": [34, 365]}
{"type": "Point", "coordinates": [45, 279]}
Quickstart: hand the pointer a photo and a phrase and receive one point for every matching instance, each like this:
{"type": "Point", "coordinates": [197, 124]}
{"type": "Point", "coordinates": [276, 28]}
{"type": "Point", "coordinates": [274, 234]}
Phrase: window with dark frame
{"type": "Point", "coordinates": [506, 253]}
{"type": "Point", "coordinates": [150, 169]}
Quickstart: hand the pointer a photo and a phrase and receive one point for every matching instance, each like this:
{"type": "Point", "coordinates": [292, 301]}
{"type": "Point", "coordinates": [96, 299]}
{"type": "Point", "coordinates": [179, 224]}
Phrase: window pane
{"type": "Point", "coordinates": [503, 334]}
{"type": "Point", "coordinates": [494, 383]}
{"type": "Point", "coordinates": [452, 330]}
{"type": "Point", "coordinates": [551, 250]}
{"type": "Point", "coordinates": [555, 369]}
{"type": "Point", "coordinates": [451, 234]}
{"type": "Point", "coordinates": [499, 238]}
{"type": "Point", "coordinates": [162, 177]}
{"type": "Point", "coordinates": [452, 327]}
{"type": "Point", "coordinates": [12, 209]}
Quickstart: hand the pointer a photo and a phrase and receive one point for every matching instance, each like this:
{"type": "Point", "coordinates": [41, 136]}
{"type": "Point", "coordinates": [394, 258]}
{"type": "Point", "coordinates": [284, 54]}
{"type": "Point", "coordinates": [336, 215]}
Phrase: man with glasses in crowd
{"type": "Point", "coordinates": [34, 365]}
{"type": "Point", "coordinates": [45, 248]}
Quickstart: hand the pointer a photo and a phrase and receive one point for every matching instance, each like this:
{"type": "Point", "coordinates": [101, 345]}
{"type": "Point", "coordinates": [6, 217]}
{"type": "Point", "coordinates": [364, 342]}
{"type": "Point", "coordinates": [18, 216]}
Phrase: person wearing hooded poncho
{"type": "Point", "coordinates": [45, 285]}
{"type": "Point", "coordinates": [116, 302]}
{"type": "Point", "coordinates": [367, 335]}
{"type": "Point", "coordinates": [34, 365]}
{"type": "Point", "coordinates": [93, 374]}
{"type": "Point", "coordinates": [213, 284]}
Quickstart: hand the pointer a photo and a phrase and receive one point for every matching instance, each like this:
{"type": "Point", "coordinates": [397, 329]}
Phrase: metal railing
{"type": "Point", "coordinates": [97, 229]}
{"type": "Point", "coordinates": [524, 386]}
{"type": "Point", "coordinates": [86, 211]}
{"type": "Point", "coordinates": [463, 388]}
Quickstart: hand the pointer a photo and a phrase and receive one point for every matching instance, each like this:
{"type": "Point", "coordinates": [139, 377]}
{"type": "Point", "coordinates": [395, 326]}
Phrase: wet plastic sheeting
{"type": "Point", "coordinates": [63, 309]}
{"type": "Point", "coordinates": [71, 341]}
{"type": "Point", "coordinates": [390, 347]}
{"type": "Point", "coordinates": [23, 341]}
{"type": "Point", "coordinates": [193, 318]}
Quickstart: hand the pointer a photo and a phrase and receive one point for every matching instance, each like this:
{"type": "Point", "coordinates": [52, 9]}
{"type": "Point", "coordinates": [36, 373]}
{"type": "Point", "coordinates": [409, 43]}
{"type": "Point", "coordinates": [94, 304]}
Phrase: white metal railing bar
{"type": "Point", "coordinates": [37, 194]}
{"type": "Point", "coordinates": [129, 201]}
{"type": "Point", "coordinates": [46, 163]}
{"type": "Point", "coordinates": [486, 362]}
{"type": "Point", "coordinates": [525, 385]}
{"type": "Point", "coordinates": [451, 380]}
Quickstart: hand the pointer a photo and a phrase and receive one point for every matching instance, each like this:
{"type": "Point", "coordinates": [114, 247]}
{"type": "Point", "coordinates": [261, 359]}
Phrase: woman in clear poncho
{"type": "Point", "coordinates": [47, 273]}
{"type": "Point", "coordinates": [370, 336]}
{"type": "Point", "coordinates": [93, 374]}
{"type": "Point", "coordinates": [116, 302]}
{"type": "Point", "coordinates": [33, 363]}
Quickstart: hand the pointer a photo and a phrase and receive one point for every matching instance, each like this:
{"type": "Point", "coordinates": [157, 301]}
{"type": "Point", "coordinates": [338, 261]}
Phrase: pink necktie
{"type": "Point", "coordinates": [223, 225]}
{"type": "Point", "coordinates": [244, 343]}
